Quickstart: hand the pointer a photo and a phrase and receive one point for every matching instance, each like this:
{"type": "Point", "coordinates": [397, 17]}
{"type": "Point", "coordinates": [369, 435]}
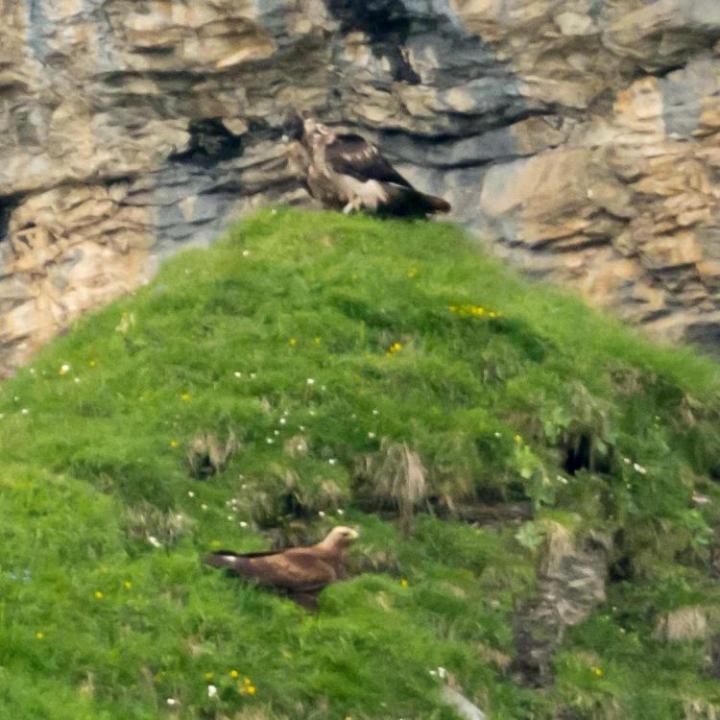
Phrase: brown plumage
{"type": "Point", "coordinates": [300, 572]}
{"type": "Point", "coordinates": [346, 172]}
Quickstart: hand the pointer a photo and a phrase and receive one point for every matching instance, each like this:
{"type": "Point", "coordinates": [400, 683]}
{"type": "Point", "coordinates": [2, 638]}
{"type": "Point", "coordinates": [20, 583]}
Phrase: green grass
{"type": "Point", "coordinates": [340, 331]}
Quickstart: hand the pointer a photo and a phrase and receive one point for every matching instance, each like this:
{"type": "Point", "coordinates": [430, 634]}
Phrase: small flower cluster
{"type": "Point", "coordinates": [396, 347]}
{"type": "Point", "coordinates": [473, 311]}
{"type": "Point", "coordinates": [247, 687]}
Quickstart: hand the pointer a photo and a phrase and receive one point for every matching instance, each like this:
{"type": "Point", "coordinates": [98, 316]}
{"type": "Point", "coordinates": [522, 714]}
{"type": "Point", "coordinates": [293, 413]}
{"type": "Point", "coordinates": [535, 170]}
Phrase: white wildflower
{"type": "Point", "coordinates": [76, 380]}
{"type": "Point", "coordinates": [154, 541]}
{"type": "Point", "coordinates": [246, 253]}
{"type": "Point", "coordinates": [283, 421]}
{"type": "Point", "coordinates": [191, 494]}
{"type": "Point", "coordinates": [24, 411]}
{"type": "Point", "coordinates": [212, 691]}
{"type": "Point", "coordinates": [639, 469]}
{"type": "Point", "coordinates": [627, 461]}
{"type": "Point", "coordinates": [340, 512]}
{"type": "Point", "coordinates": [376, 412]}
{"type": "Point", "coordinates": [321, 514]}
{"type": "Point", "coordinates": [230, 517]}
{"type": "Point", "coordinates": [269, 441]}
{"type": "Point", "coordinates": [237, 374]}
{"type": "Point", "coordinates": [243, 524]}
{"type": "Point", "coordinates": [332, 461]}
{"type": "Point", "coordinates": [276, 432]}
{"type": "Point", "coordinates": [310, 381]}
{"type": "Point", "coordinates": [64, 369]}
{"type": "Point", "coordinates": [371, 435]}
{"type": "Point", "coordinates": [204, 506]}
{"type": "Point", "coordinates": [172, 702]}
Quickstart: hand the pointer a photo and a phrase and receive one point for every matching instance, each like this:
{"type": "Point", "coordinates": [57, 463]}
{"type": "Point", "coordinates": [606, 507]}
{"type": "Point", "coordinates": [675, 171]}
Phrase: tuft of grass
{"type": "Point", "coordinates": [315, 341]}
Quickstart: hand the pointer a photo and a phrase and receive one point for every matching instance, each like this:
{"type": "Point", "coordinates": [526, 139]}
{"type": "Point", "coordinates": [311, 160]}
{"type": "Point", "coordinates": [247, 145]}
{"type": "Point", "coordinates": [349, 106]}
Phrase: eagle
{"type": "Point", "coordinates": [343, 171]}
{"type": "Point", "coordinates": [299, 573]}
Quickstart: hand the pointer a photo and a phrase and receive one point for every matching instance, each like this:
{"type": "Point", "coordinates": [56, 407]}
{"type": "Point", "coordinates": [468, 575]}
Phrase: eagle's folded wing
{"type": "Point", "coordinates": [353, 155]}
{"type": "Point", "coordinates": [294, 570]}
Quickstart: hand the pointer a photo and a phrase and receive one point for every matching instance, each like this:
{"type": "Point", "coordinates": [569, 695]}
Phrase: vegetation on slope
{"type": "Point", "coordinates": [324, 343]}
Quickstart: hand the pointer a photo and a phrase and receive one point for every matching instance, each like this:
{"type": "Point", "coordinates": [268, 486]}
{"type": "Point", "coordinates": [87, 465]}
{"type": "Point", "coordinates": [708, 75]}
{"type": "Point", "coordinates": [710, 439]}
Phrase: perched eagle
{"type": "Point", "coordinates": [345, 172]}
{"type": "Point", "coordinates": [300, 572]}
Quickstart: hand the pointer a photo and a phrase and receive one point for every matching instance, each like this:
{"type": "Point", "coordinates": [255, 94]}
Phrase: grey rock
{"type": "Point", "coordinates": [578, 138]}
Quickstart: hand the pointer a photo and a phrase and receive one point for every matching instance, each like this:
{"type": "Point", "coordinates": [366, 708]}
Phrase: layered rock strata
{"type": "Point", "coordinates": [578, 138]}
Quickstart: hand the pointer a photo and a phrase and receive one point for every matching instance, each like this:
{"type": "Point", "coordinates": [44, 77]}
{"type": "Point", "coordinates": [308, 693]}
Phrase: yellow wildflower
{"type": "Point", "coordinates": [173, 443]}
{"type": "Point", "coordinates": [404, 583]}
{"type": "Point", "coordinates": [247, 681]}
{"type": "Point", "coordinates": [99, 595]}
{"type": "Point", "coordinates": [598, 671]}
{"type": "Point", "coordinates": [292, 342]}
{"type": "Point", "coordinates": [40, 635]}
{"type": "Point", "coordinates": [127, 585]}
{"type": "Point", "coordinates": [250, 689]}
{"type": "Point", "coordinates": [395, 348]}
{"type": "Point", "coordinates": [234, 674]}
{"type": "Point", "coordinates": [316, 340]}
{"type": "Point", "coordinates": [518, 439]}
{"type": "Point", "coordinates": [185, 397]}
{"type": "Point", "coordinates": [92, 363]}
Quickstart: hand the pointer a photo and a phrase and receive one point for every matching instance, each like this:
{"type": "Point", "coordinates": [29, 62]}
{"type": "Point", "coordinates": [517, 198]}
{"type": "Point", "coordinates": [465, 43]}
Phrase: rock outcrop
{"type": "Point", "coordinates": [579, 138]}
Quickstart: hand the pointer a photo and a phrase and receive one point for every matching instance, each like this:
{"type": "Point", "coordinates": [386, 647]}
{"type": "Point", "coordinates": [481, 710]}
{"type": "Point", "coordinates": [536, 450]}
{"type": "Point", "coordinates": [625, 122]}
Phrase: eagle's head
{"type": "Point", "coordinates": [340, 537]}
{"type": "Point", "coordinates": [316, 134]}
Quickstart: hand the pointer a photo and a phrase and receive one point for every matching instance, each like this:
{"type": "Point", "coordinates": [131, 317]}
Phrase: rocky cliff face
{"type": "Point", "coordinates": [579, 137]}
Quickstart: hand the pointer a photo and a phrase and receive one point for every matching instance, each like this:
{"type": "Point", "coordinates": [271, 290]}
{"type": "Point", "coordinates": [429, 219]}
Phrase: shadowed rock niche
{"type": "Point", "coordinates": [578, 138]}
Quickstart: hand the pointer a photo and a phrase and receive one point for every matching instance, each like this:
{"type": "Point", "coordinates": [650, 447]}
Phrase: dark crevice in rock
{"type": "Point", "coordinates": [210, 144]}
{"type": "Point", "coordinates": [259, 130]}
{"type": "Point", "coordinates": [581, 454]}
{"type": "Point", "coordinates": [659, 72]}
{"type": "Point", "coordinates": [8, 203]}
{"type": "Point", "coordinates": [387, 24]}
{"type": "Point", "coordinates": [578, 455]}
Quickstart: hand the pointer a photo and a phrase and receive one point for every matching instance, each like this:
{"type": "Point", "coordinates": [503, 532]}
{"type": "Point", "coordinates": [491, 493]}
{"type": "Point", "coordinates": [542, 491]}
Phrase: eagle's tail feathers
{"type": "Point", "coordinates": [437, 204]}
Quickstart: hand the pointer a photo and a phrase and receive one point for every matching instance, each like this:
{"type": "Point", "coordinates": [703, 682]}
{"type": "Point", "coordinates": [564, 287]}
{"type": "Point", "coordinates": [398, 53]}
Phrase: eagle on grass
{"type": "Point", "coordinates": [300, 573]}
{"type": "Point", "coordinates": [343, 171]}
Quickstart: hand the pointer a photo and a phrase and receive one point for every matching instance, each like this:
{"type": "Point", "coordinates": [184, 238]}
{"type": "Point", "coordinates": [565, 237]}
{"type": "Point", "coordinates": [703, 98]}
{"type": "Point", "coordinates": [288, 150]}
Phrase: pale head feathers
{"type": "Point", "coordinates": [340, 536]}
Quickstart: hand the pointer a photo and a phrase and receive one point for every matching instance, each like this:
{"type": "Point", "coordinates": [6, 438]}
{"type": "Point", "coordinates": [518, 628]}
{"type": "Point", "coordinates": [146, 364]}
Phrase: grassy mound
{"type": "Point", "coordinates": [329, 347]}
